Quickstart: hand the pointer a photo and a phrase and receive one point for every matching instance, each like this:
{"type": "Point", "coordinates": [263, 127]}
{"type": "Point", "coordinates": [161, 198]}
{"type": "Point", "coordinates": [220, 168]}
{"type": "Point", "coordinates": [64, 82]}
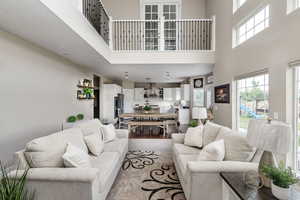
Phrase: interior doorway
{"type": "Point", "coordinates": [97, 96]}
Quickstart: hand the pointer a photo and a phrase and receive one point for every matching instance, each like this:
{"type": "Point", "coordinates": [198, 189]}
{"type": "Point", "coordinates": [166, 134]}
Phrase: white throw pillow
{"type": "Point", "coordinates": [75, 157]}
{"type": "Point", "coordinates": [94, 143]}
{"type": "Point", "coordinates": [214, 151]}
{"type": "Point", "coordinates": [109, 132]}
{"type": "Point", "coordinates": [210, 133]}
{"type": "Point", "coordinates": [193, 137]}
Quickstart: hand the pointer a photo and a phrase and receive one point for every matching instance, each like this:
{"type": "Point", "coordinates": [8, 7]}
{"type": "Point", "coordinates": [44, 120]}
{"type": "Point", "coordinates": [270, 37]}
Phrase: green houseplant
{"type": "Point", "coordinates": [282, 178]}
{"type": "Point", "coordinates": [80, 116]}
{"type": "Point", "coordinates": [12, 187]}
{"type": "Point", "coordinates": [147, 108]}
{"type": "Point", "coordinates": [88, 92]}
{"type": "Point", "coordinates": [193, 123]}
{"type": "Point", "coordinates": [71, 119]}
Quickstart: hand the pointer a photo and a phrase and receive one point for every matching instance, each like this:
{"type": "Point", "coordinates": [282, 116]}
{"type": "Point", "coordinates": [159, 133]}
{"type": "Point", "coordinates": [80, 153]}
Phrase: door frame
{"type": "Point", "coordinates": [160, 2]}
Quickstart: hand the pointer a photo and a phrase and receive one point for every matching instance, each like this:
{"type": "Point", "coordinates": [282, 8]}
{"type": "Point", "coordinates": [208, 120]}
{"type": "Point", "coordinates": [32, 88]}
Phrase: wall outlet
{"type": "Point", "coordinates": [276, 115]}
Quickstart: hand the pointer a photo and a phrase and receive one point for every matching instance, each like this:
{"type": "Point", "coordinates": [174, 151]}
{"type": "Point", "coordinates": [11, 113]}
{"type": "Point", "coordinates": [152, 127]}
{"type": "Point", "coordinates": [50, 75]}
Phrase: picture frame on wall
{"type": "Point", "coordinates": [198, 83]}
{"type": "Point", "coordinates": [222, 94]}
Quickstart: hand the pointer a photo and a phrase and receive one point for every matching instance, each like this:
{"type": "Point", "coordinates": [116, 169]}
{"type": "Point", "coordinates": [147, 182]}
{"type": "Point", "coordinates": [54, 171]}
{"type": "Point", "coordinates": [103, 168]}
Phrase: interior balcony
{"type": "Point", "coordinates": [83, 32]}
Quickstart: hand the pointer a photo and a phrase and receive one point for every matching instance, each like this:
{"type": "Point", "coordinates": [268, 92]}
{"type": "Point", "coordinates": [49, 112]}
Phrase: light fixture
{"type": "Point", "coordinates": [126, 75]}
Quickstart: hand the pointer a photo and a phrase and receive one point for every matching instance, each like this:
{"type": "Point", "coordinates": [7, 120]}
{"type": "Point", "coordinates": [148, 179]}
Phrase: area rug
{"type": "Point", "coordinates": [147, 175]}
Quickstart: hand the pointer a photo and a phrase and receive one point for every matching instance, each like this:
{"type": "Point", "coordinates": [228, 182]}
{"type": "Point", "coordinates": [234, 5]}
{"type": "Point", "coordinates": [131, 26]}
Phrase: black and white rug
{"type": "Point", "coordinates": [147, 175]}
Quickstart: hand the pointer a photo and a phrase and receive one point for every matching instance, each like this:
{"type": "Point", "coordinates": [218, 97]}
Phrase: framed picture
{"type": "Point", "coordinates": [222, 94]}
{"type": "Point", "coordinates": [198, 83]}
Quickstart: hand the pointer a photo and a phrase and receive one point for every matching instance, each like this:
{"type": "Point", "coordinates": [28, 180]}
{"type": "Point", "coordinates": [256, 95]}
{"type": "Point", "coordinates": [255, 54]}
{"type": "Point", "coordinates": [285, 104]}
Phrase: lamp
{"type": "Point", "coordinates": [269, 137]}
{"type": "Point", "coordinates": [199, 113]}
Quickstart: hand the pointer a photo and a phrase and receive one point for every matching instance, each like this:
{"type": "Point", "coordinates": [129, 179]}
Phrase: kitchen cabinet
{"type": "Point", "coordinates": [168, 94]}
{"type": "Point", "coordinates": [139, 94]}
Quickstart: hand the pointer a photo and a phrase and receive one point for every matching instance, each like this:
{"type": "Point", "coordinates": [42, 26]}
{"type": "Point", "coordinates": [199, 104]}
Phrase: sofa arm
{"type": "Point", "coordinates": [178, 138]}
{"type": "Point", "coordinates": [81, 175]}
{"type": "Point", "coordinates": [122, 133]}
{"type": "Point", "coordinates": [62, 183]}
{"type": "Point", "coordinates": [221, 166]}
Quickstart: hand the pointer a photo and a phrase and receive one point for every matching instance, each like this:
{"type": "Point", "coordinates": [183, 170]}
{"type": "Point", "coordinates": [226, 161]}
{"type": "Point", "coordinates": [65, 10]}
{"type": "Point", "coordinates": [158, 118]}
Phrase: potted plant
{"type": "Point", "coordinates": [282, 178]}
{"type": "Point", "coordinates": [88, 92]}
{"type": "Point", "coordinates": [147, 108]}
{"type": "Point", "coordinates": [193, 123]}
{"type": "Point", "coordinates": [12, 186]}
{"type": "Point", "coordinates": [71, 119]}
{"type": "Point", "coordinates": [80, 116]}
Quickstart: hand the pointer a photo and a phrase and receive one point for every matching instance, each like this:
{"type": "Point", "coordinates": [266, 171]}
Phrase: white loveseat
{"type": "Point", "coordinates": [200, 179]}
{"type": "Point", "coordinates": [76, 183]}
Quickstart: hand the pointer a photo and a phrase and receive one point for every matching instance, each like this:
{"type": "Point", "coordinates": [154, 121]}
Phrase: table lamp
{"type": "Point", "coordinates": [199, 113]}
{"type": "Point", "coordinates": [269, 137]}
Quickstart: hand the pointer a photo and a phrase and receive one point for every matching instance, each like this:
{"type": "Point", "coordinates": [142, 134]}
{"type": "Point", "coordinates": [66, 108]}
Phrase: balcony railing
{"type": "Point", "coordinates": [150, 35]}
{"type": "Point", "coordinates": [95, 12]}
{"type": "Point", "coordinates": [164, 35]}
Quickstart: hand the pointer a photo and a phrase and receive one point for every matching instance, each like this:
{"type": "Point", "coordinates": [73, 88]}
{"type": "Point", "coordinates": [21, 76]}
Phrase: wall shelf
{"type": "Point", "coordinates": [82, 86]}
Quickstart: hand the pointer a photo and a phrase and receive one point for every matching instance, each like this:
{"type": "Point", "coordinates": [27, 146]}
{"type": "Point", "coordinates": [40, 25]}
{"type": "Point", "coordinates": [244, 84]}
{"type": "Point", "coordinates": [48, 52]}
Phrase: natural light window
{"type": "Point", "coordinates": [252, 100]}
{"type": "Point", "coordinates": [253, 25]}
{"type": "Point", "coordinates": [237, 4]}
{"type": "Point", "coordinates": [297, 118]}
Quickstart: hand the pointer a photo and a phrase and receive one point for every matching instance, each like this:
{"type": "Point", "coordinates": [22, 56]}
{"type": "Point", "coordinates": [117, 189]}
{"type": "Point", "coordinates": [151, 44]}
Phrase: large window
{"type": "Point", "coordinates": [297, 118]}
{"type": "Point", "coordinates": [253, 25]}
{"type": "Point", "coordinates": [198, 97]}
{"type": "Point", "coordinates": [252, 100]}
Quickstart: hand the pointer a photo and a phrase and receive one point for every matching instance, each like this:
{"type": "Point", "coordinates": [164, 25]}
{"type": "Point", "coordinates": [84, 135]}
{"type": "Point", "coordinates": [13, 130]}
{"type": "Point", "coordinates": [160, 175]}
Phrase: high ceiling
{"type": "Point", "coordinates": [35, 22]}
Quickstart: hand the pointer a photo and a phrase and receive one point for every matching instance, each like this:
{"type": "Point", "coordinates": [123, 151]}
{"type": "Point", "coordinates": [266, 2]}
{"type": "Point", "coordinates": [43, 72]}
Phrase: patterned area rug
{"type": "Point", "coordinates": [147, 175]}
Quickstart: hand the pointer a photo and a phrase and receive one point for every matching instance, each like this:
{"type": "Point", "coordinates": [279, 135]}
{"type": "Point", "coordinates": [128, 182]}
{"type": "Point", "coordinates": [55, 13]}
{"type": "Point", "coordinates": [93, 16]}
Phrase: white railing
{"type": "Point", "coordinates": [162, 35]}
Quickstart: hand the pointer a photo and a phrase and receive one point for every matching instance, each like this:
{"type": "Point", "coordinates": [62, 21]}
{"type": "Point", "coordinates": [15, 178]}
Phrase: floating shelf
{"type": "Point", "coordinates": [82, 86]}
{"type": "Point", "coordinates": [85, 98]}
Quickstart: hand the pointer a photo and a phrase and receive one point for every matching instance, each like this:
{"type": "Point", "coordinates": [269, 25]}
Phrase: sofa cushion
{"type": "Point", "coordinates": [117, 145]}
{"type": "Point", "coordinates": [183, 149]}
{"type": "Point", "coordinates": [223, 132]}
{"type": "Point", "coordinates": [183, 160]}
{"type": "Point", "coordinates": [109, 132]}
{"type": "Point", "coordinates": [210, 132]}
{"type": "Point", "coordinates": [47, 151]}
{"type": "Point", "coordinates": [94, 143]}
{"type": "Point", "coordinates": [193, 137]}
{"type": "Point", "coordinates": [237, 148]}
{"type": "Point", "coordinates": [90, 127]}
{"type": "Point", "coordinates": [75, 157]}
{"type": "Point", "coordinates": [107, 163]}
{"type": "Point", "coordinates": [214, 151]}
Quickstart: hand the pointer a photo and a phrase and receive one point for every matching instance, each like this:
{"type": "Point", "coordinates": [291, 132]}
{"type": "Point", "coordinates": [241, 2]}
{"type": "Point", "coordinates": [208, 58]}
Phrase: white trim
{"type": "Point", "coordinates": [160, 2]}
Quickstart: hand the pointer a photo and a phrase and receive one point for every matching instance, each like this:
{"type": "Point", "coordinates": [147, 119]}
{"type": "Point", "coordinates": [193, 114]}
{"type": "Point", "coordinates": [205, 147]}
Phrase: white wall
{"type": "Point", "coordinates": [272, 49]}
{"type": "Point", "coordinates": [37, 93]}
{"type": "Point", "coordinates": [130, 9]}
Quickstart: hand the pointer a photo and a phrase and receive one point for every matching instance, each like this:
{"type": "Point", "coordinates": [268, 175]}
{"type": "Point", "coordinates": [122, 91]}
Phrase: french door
{"type": "Point", "coordinates": [153, 13]}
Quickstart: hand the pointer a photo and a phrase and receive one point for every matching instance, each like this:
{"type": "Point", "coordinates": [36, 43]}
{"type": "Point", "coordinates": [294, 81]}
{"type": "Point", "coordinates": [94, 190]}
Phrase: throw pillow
{"type": "Point", "coordinates": [210, 132]}
{"type": "Point", "coordinates": [94, 143]}
{"type": "Point", "coordinates": [109, 132]}
{"type": "Point", "coordinates": [214, 151]}
{"type": "Point", "coordinates": [237, 148]}
{"type": "Point", "coordinates": [75, 157]}
{"type": "Point", "coordinates": [193, 137]}
{"type": "Point", "coordinates": [90, 127]}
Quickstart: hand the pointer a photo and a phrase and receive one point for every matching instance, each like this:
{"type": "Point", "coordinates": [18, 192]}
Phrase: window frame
{"type": "Point", "coordinates": [296, 136]}
{"type": "Point", "coordinates": [237, 4]}
{"type": "Point", "coordinates": [266, 22]}
{"type": "Point", "coordinates": [236, 108]}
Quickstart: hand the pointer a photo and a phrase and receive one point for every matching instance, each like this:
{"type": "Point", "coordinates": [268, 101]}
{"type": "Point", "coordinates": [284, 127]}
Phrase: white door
{"type": "Point", "coordinates": [153, 11]}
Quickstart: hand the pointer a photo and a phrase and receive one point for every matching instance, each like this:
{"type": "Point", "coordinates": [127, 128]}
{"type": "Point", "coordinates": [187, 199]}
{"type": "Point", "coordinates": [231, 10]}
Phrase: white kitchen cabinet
{"type": "Point", "coordinates": [139, 94]}
{"type": "Point", "coordinates": [168, 94]}
{"type": "Point", "coordinates": [110, 91]}
{"type": "Point", "coordinates": [185, 92]}
{"type": "Point", "coordinates": [128, 100]}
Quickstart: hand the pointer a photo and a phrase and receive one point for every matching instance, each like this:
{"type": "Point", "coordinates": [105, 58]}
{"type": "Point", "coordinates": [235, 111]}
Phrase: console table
{"type": "Point", "coordinates": [234, 188]}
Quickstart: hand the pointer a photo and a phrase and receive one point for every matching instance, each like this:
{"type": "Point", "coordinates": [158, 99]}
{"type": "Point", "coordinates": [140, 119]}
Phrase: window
{"type": "Point", "coordinates": [253, 25]}
{"type": "Point", "coordinates": [297, 118]}
{"type": "Point", "coordinates": [198, 97]}
{"type": "Point", "coordinates": [252, 100]}
{"type": "Point", "coordinates": [292, 5]}
{"type": "Point", "coordinates": [151, 27]}
{"type": "Point", "coordinates": [170, 14]}
{"type": "Point", "coordinates": [237, 4]}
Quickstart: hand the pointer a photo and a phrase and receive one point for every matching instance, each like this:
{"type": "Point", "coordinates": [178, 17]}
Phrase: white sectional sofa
{"type": "Point", "coordinates": [59, 183]}
{"type": "Point", "coordinates": [200, 179]}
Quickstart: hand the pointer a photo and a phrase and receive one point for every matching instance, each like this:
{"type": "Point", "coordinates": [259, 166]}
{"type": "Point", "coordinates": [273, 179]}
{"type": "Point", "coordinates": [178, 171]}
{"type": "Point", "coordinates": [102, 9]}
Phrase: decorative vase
{"type": "Point", "coordinates": [280, 193]}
